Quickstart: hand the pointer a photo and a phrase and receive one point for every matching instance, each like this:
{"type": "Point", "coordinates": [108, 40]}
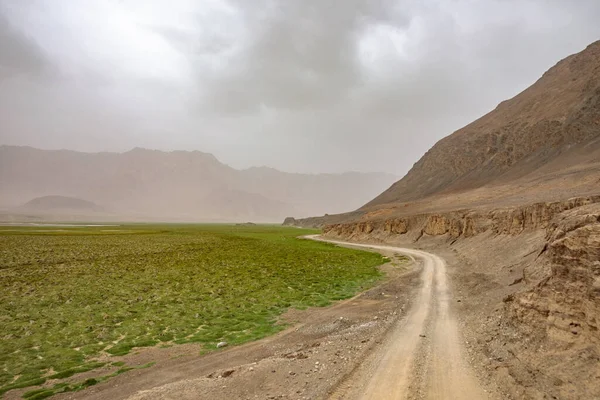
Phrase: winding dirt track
{"type": "Point", "coordinates": [423, 356]}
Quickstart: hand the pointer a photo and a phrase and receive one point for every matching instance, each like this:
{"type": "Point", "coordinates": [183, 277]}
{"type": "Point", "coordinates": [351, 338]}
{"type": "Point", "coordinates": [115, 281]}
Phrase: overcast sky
{"type": "Point", "coordinates": [299, 85]}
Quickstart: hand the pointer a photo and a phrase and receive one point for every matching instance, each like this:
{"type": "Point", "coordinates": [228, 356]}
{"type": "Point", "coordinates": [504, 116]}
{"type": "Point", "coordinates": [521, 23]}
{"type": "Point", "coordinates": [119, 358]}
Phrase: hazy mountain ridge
{"type": "Point", "coordinates": [178, 185]}
{"type": "Point", "coordinates": [54, 203]}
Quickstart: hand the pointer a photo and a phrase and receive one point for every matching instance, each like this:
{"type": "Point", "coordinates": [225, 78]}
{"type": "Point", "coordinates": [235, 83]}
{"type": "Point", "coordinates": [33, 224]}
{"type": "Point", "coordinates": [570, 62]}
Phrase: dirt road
{"type": "Point", "coordinates": [423, 356]}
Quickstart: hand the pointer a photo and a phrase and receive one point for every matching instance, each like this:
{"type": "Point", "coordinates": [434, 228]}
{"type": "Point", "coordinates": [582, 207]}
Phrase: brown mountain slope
{"type": "Point", "coordinates": [556, 117]}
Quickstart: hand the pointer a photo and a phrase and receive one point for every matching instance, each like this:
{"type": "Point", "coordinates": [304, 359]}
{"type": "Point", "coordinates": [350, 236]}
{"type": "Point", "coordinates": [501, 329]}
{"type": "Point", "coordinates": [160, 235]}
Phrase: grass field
{"type": "Point", "coordinates": [69, 295]}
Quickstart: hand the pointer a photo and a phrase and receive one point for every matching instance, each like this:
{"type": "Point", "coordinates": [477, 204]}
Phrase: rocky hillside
{"type": "Point", "coordinates": [179, 185]}
{"type": "Point", "coordinates": [541, 146]}
{"type": "Point", "coordinates": [459, 223]}
{"type": "Point", "coordinates": [549, 120]}
{"type": "Point", "coordinates": [512, 202]}
{"type": "Point", "coordinates": [557, 313]}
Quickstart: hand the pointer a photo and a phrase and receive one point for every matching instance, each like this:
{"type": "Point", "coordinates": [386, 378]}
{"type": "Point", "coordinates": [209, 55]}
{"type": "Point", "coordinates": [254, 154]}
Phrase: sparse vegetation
{"type": "Point", "coordinates": [65, 387]}
{"type": "Point", "coordinates": [400, 261]}
{"type": "Point", "coordinates": [70, 295]}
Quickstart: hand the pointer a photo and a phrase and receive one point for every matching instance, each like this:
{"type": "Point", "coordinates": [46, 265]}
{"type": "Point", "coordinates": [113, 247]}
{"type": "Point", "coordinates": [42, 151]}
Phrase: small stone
{"type": "Point", "coordinates": [221, 344]}
{"type": "Point", "coordinates": [557, 382]}
{"type": "Point", "coordinates": [227, 373]}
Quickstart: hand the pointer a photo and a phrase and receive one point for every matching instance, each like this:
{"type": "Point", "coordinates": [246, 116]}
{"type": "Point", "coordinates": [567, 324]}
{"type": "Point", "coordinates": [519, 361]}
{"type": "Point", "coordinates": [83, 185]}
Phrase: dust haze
{"type": "Point", "coordinates": [326, 115]}
{"type": "Point", "coordinates": [290, 87]}
{"type": "Point", "coordinates": [301, 86]}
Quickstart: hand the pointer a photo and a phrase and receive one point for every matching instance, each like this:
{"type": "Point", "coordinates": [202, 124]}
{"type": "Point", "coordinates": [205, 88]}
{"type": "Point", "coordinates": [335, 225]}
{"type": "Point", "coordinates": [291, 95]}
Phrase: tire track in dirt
{"type": "Point", "coordinates": [422, 356]}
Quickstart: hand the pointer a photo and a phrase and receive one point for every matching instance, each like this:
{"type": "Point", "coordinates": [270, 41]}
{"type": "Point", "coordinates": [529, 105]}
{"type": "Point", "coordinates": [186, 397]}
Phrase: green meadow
{"type": "Point", "coordinates": [71, 296]}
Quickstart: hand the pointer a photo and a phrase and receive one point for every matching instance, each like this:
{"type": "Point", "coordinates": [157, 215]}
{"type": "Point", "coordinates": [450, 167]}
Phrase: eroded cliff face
{"type": "Point", "coordinates": [556, 314]}
{"type": "Point", "coordinates": [564, 306]}
{"type": "Point", "coordinates": [511, 221]}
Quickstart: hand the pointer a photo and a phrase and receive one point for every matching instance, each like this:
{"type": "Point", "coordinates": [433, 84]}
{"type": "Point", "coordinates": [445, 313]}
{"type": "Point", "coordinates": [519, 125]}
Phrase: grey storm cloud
{"type": "Point", "coordinates": [19, 54]}
{"type": "Point", "coordinates": [306, 86]}
{"type": "Point", "coordinates": [303, 55]}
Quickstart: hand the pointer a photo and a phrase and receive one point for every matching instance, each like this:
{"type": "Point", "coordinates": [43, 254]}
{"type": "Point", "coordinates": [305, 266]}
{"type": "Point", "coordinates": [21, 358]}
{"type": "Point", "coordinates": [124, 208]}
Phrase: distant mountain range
{"type": "Point", "coordinates": [181, 186]}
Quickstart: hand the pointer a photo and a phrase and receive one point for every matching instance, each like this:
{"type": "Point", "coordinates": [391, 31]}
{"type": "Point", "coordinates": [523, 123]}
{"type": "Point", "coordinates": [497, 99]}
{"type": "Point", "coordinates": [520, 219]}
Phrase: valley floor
{"type": "Point", "coordinates": [468, 317]}
{"type": "Point", "coordinates": [398, 340]}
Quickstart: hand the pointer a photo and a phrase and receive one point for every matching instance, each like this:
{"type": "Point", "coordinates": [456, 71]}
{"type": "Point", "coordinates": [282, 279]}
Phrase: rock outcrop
{"type": "Point", "coordinates": [556, 315]}
{"type": "Point", "coordinates": [565, 304]}
{"type": "Point", "coordinates": [454, 224]}
{"type": "Point", "coordinates": [289, 221]}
